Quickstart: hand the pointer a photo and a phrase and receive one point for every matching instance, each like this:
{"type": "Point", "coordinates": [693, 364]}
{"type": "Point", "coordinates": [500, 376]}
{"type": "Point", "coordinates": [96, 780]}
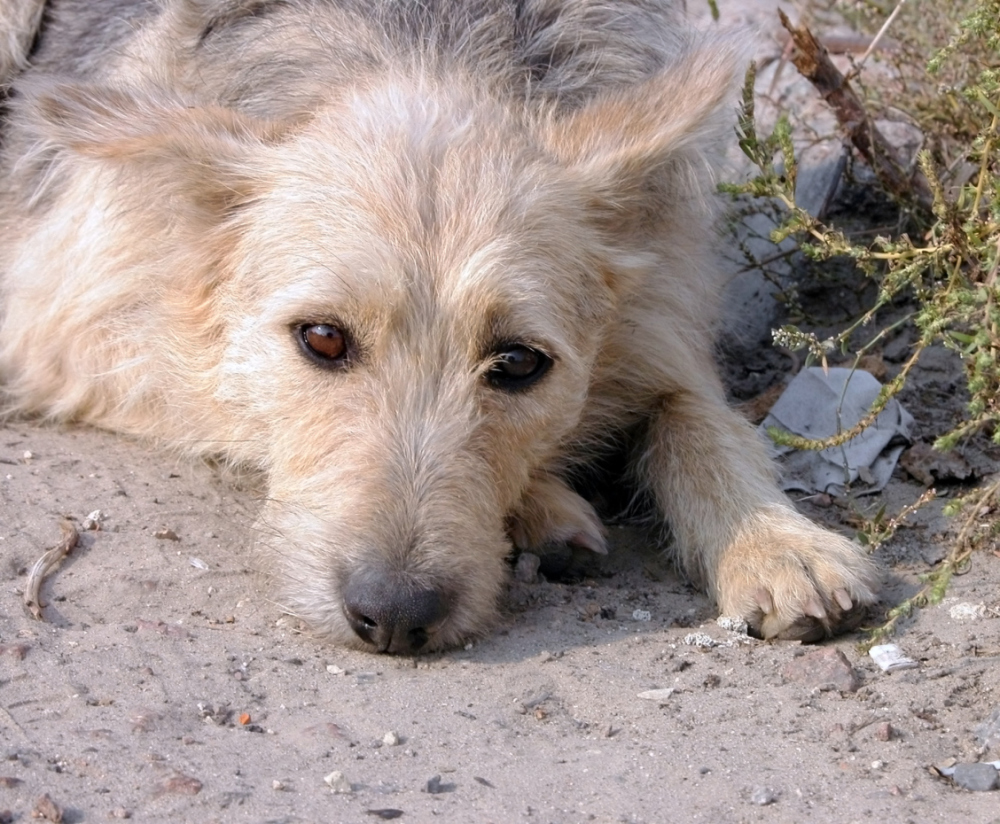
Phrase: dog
{"type": "Point", "coordinates": [419, 262]}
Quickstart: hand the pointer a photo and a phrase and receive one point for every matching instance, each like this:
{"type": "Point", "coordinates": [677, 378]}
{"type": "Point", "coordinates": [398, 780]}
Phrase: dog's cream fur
{"type": "Point", "coordinates": [439, 180]}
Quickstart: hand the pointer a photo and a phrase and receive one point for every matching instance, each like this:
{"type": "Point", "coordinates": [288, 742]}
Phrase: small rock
{"type": "Point", "coordinates": [526, 568]}
{"type": "Point", "coordinates": [890, 658]}
{"type": "Point", "coordinates": [884, 731]}
{"type": "Point", "coordinates": [338, 783]}
{"type": "Point", "coordinates": [929, 466]}
{"type": "Point", "coordinates": [700, 640]}
{"type": "Point", "coordinates": [120, 812]}
{"type": "Point", "coordinates": [435, 786]}
{"type": "Point", "coordinates": [878, 765]}
{"type": "Point", "coordinates": [166, 535]}
{"type": "Point", "coordinates": [657, 695]}
{"type": "Point", "coordinates": [968, 612]}
{"type": "Point", "coordinates": [976, 777]}
{"type": "Point", "coordinates": [278, 786]}
{"type": "Point", "coordinates": [642, 615]}
{"type": "Point", "coordinates": [732, 624]}
{"type": "Point", "coordinates": [333, 669]}
{"type": "Point", "coordinates": [390, 739]}
{"type": "Point", "coordinates": [46, 808]}
{"type": "Point", "coordinates": [180, 784]}
{"type": "Point", "coordinates": [93, 520]}
{"type": "Point", "coordinates": [762, 796]}
{"type": "Point", "coordinates": [824, 669]}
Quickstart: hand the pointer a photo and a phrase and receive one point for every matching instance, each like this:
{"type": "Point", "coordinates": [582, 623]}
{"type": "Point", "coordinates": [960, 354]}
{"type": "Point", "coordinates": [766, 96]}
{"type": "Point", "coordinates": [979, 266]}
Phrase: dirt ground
{"type": "Point", "coordinates": [163, 685]}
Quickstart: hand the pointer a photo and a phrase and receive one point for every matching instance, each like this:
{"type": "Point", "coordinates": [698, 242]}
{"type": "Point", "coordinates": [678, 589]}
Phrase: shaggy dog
{"type": "Point", "coordinates": [418, 262]}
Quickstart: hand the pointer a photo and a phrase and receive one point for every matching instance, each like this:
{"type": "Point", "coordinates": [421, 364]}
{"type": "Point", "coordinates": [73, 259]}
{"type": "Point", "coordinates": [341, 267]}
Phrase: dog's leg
{"type": "Point", "coordinates": [735, 531]}
{"type": "Point", "coordinates": [552, 513]}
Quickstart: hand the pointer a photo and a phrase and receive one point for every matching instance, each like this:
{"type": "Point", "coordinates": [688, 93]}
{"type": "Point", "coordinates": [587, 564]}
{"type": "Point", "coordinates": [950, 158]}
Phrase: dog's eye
{"type": "Point", "coordinates": [517, 367]}
{"type": "Point", "coordinates": [324, 343]}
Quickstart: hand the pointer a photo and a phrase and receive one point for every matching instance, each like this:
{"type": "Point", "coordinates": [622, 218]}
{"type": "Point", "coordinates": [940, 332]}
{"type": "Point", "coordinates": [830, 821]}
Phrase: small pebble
{"type": "Point", "coordinates": [657, 695]}
{"type": "Point", "coordinates": [890, 658]}
{"type": "Point", "coordinates": [732, 624]}
{"type": "Point", "coordinates": [93, 520]}
{"type": "Point", "coordinates": [976, 777]}
{"type": "Point", "coordinates": [120, 812]}
{"type": "Point", "coordinates": [700, 640]}
{"type": "Point", "coordinates": [333, 669]}
{"type": "Point", "coordinates": [762, 796]}
{"type": "Point", "coordinates": [390, 739]}
{"type": "Point", "coordinates": [166, 535]}
{"type": "Point", "coordinates": [968, 612]}
{"type": "Point", "coordinates": [46, 808]}
{"type": "Point", "coordinates": [642, 615]}
{"type": "Point", "coordinates": [338, 783]}
{"type": "Point", "coordinates": [278, 786]}
{"type": "Point", "coordinates": [878, 765]}
{"type": "Point", "coordinates": [884, 731]}
{"type": "Point", "coordinates": [823, 669]}
{"type": "Point", "coordinates": [435, 786]}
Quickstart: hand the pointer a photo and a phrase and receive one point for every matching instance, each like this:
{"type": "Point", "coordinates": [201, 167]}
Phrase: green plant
{"type": "Point", "coordinates": [943, 263]}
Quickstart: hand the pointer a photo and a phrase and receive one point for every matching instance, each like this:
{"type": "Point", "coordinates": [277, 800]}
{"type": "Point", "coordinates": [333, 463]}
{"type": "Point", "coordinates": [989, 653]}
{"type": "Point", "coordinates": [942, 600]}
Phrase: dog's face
{"type": "Point", "coordinates": [419, 300]}
{"type": "Point", "coordinates": [408, 293]}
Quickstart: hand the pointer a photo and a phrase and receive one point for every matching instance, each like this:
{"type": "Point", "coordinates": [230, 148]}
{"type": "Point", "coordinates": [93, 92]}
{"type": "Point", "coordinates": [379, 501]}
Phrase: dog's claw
{"type": "Point", "coordinates": [584, 540]}
{"type": "Point", "coordinates": [844, 599]}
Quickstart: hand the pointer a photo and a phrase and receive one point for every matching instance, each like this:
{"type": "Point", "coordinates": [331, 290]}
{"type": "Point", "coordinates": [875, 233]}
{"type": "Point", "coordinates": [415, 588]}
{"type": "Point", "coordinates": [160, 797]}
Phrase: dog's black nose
{"type": "Point", "coordinates": [391, 615]}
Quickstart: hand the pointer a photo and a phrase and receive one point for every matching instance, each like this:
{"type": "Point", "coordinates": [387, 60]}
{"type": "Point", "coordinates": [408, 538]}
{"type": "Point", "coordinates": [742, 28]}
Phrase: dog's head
{"type": "Point", "coordinates": [406, 296]}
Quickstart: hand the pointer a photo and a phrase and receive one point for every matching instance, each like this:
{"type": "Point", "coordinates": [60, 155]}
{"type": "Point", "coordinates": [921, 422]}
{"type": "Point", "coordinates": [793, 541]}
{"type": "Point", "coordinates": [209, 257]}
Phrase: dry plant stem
{"type": "Point", "coordinates": [44, 565]}
{"type": "Point", "coordinates": [879, 36]}
{"type": "Point", "coordinates": [937, 581]}
{"type": "Point", "coordinates": [813, 62]}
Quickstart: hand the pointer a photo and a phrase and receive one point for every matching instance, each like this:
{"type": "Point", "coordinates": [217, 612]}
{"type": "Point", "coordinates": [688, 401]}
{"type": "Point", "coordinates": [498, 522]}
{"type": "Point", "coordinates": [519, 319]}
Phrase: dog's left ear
{"type": "Point", "coordinates": [197, 152]}
{"type": "Point", "coordinates": [635, 147]}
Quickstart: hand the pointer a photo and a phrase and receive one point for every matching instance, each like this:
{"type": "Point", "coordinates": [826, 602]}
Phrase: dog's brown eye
{"type": "Point", "coordinates": [517, 367]}
{"type": "Point", "coordinates": [324, 343]}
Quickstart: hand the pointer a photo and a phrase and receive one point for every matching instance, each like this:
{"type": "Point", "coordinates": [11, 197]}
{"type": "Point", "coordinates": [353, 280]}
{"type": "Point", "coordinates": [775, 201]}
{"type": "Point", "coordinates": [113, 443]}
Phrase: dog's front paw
{"type": "Point", "coordinates": [552, 513]}
{"type": "Point", "coordinates": [793, 580]}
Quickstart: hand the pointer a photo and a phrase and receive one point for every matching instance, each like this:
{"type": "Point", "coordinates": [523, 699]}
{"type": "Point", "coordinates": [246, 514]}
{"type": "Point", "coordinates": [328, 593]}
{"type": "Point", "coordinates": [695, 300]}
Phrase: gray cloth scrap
{"type": "Point", "coordinates": [808, 407]}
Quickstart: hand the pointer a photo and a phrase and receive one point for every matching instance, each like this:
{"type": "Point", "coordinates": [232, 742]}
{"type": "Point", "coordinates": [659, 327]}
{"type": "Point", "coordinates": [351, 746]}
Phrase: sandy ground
{"type": "Point", "coordinates": [164, 686]}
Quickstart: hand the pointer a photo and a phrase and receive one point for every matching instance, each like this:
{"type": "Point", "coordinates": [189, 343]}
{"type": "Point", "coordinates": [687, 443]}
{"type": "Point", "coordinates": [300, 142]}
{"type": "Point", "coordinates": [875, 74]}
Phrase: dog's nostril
{"type": "Point", "coordinates": [390, 614]}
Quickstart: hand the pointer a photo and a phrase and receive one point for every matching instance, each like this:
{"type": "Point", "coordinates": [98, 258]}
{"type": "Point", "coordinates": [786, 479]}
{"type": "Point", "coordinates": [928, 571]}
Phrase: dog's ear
{"type": "Point", "coordinates": [200, 152]}
{"type": "Point", "coordinates": [639, 149]}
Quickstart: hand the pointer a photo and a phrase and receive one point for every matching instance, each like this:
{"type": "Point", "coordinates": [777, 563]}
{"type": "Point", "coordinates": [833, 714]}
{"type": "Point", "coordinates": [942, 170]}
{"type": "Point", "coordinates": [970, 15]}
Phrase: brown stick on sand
{"type": "Point", "coordinates": [813, 62]}
{"type": "Point", "coordinates": [49, 560]}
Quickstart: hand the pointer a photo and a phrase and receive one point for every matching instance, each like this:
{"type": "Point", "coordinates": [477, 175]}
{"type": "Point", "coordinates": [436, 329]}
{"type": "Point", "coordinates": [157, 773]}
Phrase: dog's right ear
{"type": "Point", "coordinates": [198, 152]}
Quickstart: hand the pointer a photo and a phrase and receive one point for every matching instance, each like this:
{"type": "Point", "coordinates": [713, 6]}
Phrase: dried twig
{"type": "Point", "coordinates": [813, 62]}
{"type": "Point", "coordinates": [44, 565]}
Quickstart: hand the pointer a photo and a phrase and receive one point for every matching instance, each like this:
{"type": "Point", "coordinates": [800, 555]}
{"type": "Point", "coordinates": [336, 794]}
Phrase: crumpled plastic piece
{"type": "Point", "coordinates": [809, 407]}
